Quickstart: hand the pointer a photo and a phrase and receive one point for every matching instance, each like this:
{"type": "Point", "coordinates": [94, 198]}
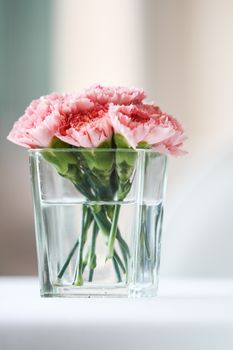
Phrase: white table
{"type": "Point", "coordinates": [187, 315]}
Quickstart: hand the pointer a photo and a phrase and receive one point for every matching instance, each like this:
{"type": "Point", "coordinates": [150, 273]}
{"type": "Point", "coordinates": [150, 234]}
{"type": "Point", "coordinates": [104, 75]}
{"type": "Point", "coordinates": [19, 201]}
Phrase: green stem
{"type": "Point", "coordinates": [113, 231]}
{"type": "Point", "coordinates": [119, 261]}
{"type": "Point", "coordinates": [78, 280]}
{"type": "Point", "coordinates": [71, 253]}
{"type": "Point", "coordinates": [104, 226]}
{"type": "Point", "coordinates": [69, 257]}
{"type": "Point", "coordinates": [116, 268]}
{"type": "Point", "coordinates": [123, 245]}
{"type": "Point", "coordinates": [92, 255]}
{"type": "Point", "coordinates": [144, 232]}
{"type": "Point", "coordinates": [125, 254]}
{"type": "Point", "coordinates": [85, 261]}
{"type": "Point", "coordinates": [90, 276]}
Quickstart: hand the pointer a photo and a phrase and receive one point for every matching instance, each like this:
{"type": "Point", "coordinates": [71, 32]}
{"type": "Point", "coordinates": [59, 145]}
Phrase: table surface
{"type": "Point", "coordinates": [187, 314]}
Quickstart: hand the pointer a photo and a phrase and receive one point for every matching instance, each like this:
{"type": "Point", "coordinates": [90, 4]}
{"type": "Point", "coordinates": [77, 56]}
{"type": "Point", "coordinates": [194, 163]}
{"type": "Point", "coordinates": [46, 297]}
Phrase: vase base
{"type": "Point", "coordinates": [94, 291]}
{"type": "Point", "coordinates": [143, 291]}
{"type": "Point", "coordinates": [86, 292]}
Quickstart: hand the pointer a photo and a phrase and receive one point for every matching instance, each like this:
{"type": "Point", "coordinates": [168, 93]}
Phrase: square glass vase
{"type": "Point", "coordinates": [98, 221]}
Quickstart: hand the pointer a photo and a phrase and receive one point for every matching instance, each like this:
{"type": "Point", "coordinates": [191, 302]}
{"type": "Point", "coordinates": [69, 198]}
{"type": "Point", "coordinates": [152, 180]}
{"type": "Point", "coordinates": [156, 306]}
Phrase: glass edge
{"type": "Point", "coordinates": [33, 151]}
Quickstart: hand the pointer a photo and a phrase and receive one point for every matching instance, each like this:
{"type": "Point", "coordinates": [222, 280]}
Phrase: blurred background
{"type": "Point", "coordinates": [181, 53]}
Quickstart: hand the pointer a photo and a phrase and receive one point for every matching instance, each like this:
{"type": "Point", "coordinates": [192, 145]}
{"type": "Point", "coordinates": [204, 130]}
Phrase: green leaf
{"type": "Point", "coordinates": [106, 144]}
{"type": "Point", "coordinates": [125, 163]}
{"type": "Point", "coordinates": [61, 160]}
{"type": "Point", "coordinates": [57, 143]}
{"type": "Point", "coordinates": [100, 163]}
{"type": "Point", "coordinates": [120, 141]}
{"type": "Point", "coordinates": [143, 145]}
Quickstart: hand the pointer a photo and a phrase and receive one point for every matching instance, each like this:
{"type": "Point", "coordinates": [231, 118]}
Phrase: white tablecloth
{"type": "Point", "coordinates": [187, 315]}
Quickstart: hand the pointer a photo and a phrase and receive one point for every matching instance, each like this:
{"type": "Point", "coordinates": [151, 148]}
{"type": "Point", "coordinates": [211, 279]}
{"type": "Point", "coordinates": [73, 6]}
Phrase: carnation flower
{"type": "Point", "coordinates": [84, 124]}
{"type": "Point", "coordinates": [38, 125]}
{"type": "Point", "coordinates": [172, 144]}
{"type": "Point", "coordinates": [139, 123]}
{"type": "Point", "coordinates": [89, 119]}
{"type": "Point", "coordinates": [116, 95]}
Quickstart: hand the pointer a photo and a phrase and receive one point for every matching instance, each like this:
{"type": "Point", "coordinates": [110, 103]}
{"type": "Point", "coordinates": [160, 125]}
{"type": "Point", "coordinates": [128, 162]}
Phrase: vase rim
{"type": "Point", "coordinates": [99, 150]}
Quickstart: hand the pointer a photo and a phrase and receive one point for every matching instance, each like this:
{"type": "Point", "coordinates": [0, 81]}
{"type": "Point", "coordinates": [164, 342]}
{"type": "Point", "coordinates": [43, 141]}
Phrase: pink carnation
{"type": "Point", "coordinates": [84, 124]}
{"type": "Point", "coordinates": [116, 95]}
{"type": "Point", "coordinates": [172, 144]}
{"type": "Point", "coordinates": [38, 125]}
{"type": "Point", "coordinates": [87, 120]}
{"type": "Point", "coordinates": [139, 124]}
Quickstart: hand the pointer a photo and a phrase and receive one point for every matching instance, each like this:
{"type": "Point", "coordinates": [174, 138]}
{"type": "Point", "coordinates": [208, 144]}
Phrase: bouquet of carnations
{"type": "Point", "coordinates": [99, 118]}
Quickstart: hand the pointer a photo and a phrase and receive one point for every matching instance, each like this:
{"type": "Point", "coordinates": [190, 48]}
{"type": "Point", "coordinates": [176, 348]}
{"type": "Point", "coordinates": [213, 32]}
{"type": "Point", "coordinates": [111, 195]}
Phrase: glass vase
{"type": "Point", "coordinates": [98, 221]}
